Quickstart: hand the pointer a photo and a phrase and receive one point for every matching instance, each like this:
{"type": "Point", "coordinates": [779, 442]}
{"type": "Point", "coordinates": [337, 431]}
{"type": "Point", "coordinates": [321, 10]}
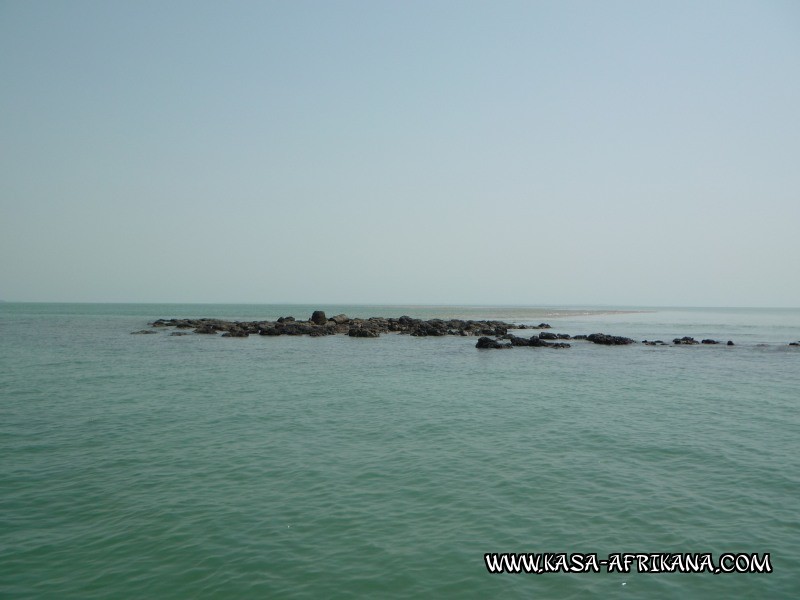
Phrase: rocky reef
{"type": "Point", "coordinates": [320, 325]}
{"type": "Point", "coordinates": [492, 334]}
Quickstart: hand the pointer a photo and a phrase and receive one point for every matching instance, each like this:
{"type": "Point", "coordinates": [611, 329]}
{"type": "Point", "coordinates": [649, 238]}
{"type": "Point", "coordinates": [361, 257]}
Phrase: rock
{"type": "Point", "coordinates": [546, 335]}
{"type": "Point", "coordinates": [270, 331]}
{"type": "Point", "coordinates": [238, 333]}
{"type": "Point", "coordinates": [685, 341]}
{"type": "Point", "coordinates": [653, 343]}
{"type": "Point", "coordinates": [794, 343]}
{"type": "Point", "coordinates": [517, 341]}
{"type": "Point", "coordinates": [579, 337]}
{"type": "Point", "coordinates": [730, 343]}
{"type": "Point", "coordinates": [340, 319]}
{"type": "Point", "coordinates": [363, 332]}
{"type": "Point", "coordinates": [434, 327]}
{"type": "Point", "coordinates": [319, 317]}
{"type": "Point", "coordinates": [608, 340]}
{"type": "Point", "coordinates": [178, 333]}
{"type": "Point", "coordinates": [143, 331]}
{"type": "Point", "coordinates": [206, 329]}
{"type": "Point", "coordinates": [709, 342]}
{"type": "Point", "coordinates": [487, 342]}
{"type": "Point", "coordinates": [285, 320]}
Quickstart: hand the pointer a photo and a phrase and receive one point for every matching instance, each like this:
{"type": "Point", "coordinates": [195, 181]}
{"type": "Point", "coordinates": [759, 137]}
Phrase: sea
{"type": "Point", "coordinates": [157, 466]}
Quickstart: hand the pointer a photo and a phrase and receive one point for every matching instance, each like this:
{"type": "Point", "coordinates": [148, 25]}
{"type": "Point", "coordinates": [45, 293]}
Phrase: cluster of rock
{"type": "Point", "coordinates": [320, 325]}
{"type": "Point", "coordinates": [690, 341]}
{"type": "Point", "coordinates": [513, 340]}
{"type": "Point", "coordinates": [541, 340]}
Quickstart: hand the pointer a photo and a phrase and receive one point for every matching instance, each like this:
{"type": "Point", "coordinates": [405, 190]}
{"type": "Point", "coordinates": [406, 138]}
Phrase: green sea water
{"type": "Point", "coordinates": [152, 466]}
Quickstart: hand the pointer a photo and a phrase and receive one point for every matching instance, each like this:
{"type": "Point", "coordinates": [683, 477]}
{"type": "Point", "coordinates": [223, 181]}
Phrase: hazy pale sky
{"type": "Point", "coordinates": [540, 153]}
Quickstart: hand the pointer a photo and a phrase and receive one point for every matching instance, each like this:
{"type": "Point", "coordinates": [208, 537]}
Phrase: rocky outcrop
{"type": "Point", "coordinates": [239, 333]}
{"type": "Point", "coordinates": [319, 325]}
{"type": "Point", "coordinates": [685, 341]}
{"type": "Point", "coordinates": [363, 332]}
{"type": "Point", "coordinates": [653, 343]}
{"type": "Point", "coordinates": [709, 341]}
{"type": "Point", "coordinates": [609, 340]}
{"type": "Point", "coordinates": [487, 342]}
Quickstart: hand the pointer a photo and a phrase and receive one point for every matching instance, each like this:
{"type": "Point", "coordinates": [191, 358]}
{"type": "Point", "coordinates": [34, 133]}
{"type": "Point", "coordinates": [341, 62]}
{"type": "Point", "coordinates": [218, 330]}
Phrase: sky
{"type": "Point", "coordinates": [415, 152]}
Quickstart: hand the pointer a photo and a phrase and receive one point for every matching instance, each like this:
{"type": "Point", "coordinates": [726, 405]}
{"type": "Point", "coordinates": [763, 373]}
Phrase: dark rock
{"type": "Point", "coordinates": [176, 333]}
{"type": "Point", "coordinates": [684, 341]}
{"type": "Point", "coordinates": [434, 327]}
{"type": "Point", "coordinates": [487, 342]}
{"type": "Point", "coordinates": [319, 317]}
{"type": "Point", "coordinates": [363, 332]}
{"type": "Point", "coordinates": [143, 332]}
{"type": "Point", "coordinates": [609, 340]}
{"type": "Point", "coordinates": [579, 337]}
{"type": "Point", "coordinates": [270, 331]}
{"type": "Point", "coordinates": [709, 342]}
{"type": "Point", "coordinates": [237, 333]}
{"type": "Point", "coordinates": [794, 343]}
{"type": "Point", "coordinates": [206, 329]}
{"type": "Point", "coordinates": [730, 343]}
{"type": "Point", "coordinates": [546, 335]}
{"type": "Point", "coordinates": [560, 345]}
{"type": "Point", "coordinates": [654, 343]}
{"type": "Point", "coordinates": [518, 341]}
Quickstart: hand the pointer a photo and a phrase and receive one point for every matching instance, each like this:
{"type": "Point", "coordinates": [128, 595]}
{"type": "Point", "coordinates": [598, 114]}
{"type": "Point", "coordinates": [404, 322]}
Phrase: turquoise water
{"type": "Point", "coordinates": [203, 467]}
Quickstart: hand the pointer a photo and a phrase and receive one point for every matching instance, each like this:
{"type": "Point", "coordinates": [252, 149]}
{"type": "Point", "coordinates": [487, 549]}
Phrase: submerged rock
{"type": "Point", "coordinates": [144, 331]}
{"type": "Point", "coordinates": [730, 343]}
{"type": "Point", "coordinates": [709, 342]}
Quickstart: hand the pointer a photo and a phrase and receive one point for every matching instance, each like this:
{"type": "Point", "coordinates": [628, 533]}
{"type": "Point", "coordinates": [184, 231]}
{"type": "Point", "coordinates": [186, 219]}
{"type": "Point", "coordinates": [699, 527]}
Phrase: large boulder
{"type": "Point", "coordinates": [319, 318]}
